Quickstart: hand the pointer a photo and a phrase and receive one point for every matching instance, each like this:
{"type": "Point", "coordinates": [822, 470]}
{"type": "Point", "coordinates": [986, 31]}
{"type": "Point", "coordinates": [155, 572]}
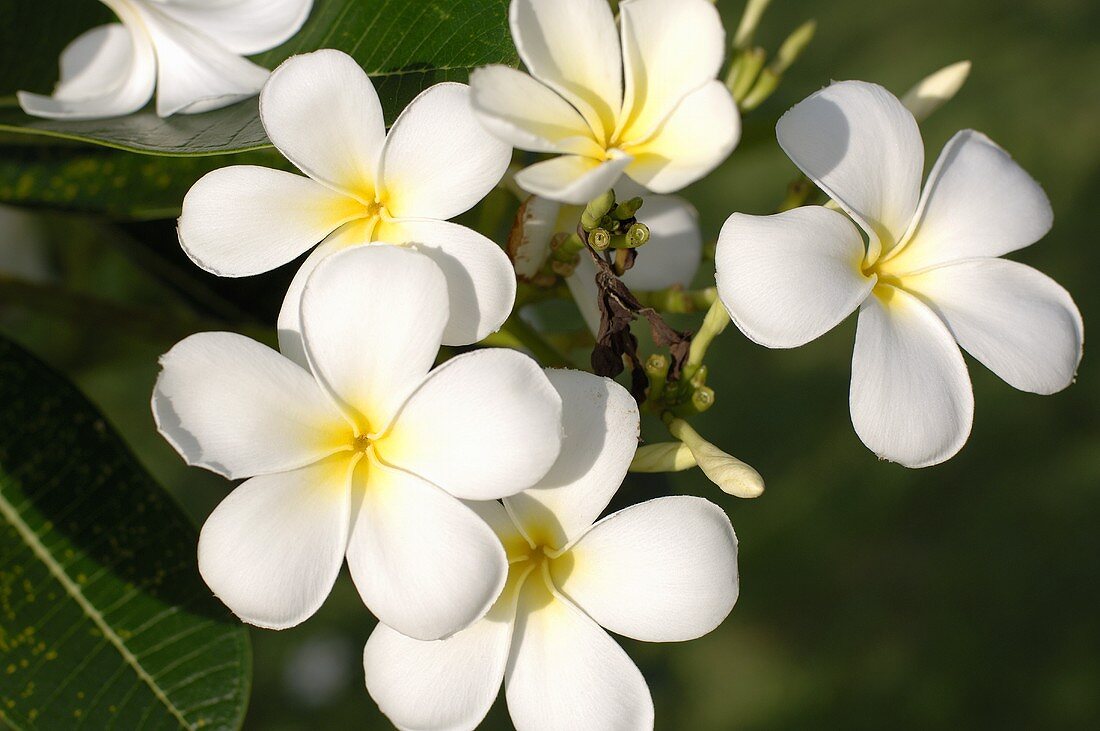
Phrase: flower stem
{"type": "Point", "coordinates": [516, 331]}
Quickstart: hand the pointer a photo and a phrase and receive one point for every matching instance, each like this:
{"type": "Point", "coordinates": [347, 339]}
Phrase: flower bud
{"type": "Point", "coordinates": [663, 457]}
{"type": "Point", "coordinates": [933, 91]}
{"type": "Point", "coordinates": [596, 209]}
{"type": "Point", "coordinates": [599, 239]}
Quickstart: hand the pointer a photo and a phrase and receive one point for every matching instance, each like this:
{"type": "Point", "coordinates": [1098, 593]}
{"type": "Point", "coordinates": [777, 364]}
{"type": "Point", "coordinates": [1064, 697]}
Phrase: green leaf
{"type": "Point", "coordinates": [104, 620]}
{"type": "Point", "coordinates": [405, 45]}
{"type": "Point", "coordinates": [121, 185]}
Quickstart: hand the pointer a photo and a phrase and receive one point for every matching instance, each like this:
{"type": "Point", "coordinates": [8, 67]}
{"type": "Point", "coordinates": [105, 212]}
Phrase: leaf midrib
{"type": "Point", "coordinates": [30, 538]}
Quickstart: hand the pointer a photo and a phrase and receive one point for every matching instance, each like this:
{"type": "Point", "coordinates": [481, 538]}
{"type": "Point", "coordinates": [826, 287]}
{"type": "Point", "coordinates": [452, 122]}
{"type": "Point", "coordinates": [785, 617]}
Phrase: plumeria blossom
{"type": "Point", "coordinates": [322, 113]}
{"type": "Point", "coordinates": [670, 258]}
{"type": "Point", "coordinates": [928, 280]}
{"type": "Point", "coordinates": [363, 453]}
{"type": "Point", "coordinates": [647, 105]}
{"type": "Point", "coordinates": [190, 51]}
{"type": "Point", "coordinates": [660, 571]}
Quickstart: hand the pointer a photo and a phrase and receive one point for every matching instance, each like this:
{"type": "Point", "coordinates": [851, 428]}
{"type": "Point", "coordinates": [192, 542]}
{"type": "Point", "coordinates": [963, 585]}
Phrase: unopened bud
{"type": "Point", "coordinates": [663, 457]}
{"type": "Point", "coordinates": [596, 209]}
{"type": "Point", "coordinates": [750, 20]}
{"type": "Point", "coordinates": [599, 239]}
{"type": "Point", "coordinates": [793, 46]}
{"type": "Point", "coordinates": [935, 90]}
{"type": "Point", "coordinates": [637, 235]}
{"type": "Point", "coordinates": [702, 399]}
{"type": "Point", "coordinates": [626, 210]}
{"type": "Point", "coordinates": [744, 71]}
{"type": "Point", "coordinates": [656, 368]}
{"type": "Point", "coordinates": [730, 474]}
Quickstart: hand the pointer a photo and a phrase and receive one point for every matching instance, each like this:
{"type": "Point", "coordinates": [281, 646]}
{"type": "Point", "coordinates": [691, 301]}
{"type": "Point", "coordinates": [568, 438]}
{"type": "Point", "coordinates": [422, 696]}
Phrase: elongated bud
{"type": "Point", "coordinates": [750, 21]}
{"type": "Point", "coordinates": [744, 72]}
{"type": "Point", "coordinates": [596, 209]}
{"type": "Point", "coordinates": [702, 399]}
{"type": "Point", "coordinates": [663, 457]}
{"type": "Point", "coordinates": [700, 378]}
{"type": "Point", "coordinates": [637, 235]}
{"type": "Point", "coordinates": [564, 247]}
{"type": "Point", "coordinates": [714, 322]}
{"type": "Point", "coordinates": [935, 90]}
{"type": "Point", "coordinates": [656, 368]}
{"type": "Point", "coordinates": [626, 210]}
{"type": "Point", "coordinates": [600, 239]}
{"type": "Point", "coordinates": [730, 474]}
{"type": "Point", "coordinates": [793, 46]}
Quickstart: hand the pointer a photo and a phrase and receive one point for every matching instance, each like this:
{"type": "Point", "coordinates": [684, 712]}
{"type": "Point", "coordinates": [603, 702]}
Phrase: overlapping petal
{"type": "Point", "coordinates": [372, 320]}
{"type": "Point", "coordinates": [670, 49]}
{"type": "Point", "coordinates": [245, 27]}
{"type": "Point", "coordinates": [978, 202]}
{"type": "Point", "coordinates": [483, 425]}
{"type": "Point", "coordinates": [661, 571]}
{"type": "Point", "coordinates": [424, 563]}
{"type": "Point", "coordinates": [108, 71]}
{"type": "Point", "coordinates": [1017, 321]}
{"type": "Point", "coordinates": [243, 219]}
{"type": "Point", "coordinates": [600, 425]}
{"type": "Point", "coordinates": [790, 277]}
{"type": "Point", "coordinates": [481, 284]}
{"type": "Point", "coordinates": [273, 548]}
{"type": "Point", "coordinates": [234, 406]}
{"type": "Point", "coordinates": [565, 672]}
{"type": "Point", "coordinates": [862, 147]}
{"type": "Point", "coordinates": [910, 398]}
{"type": "Point", "coordinates": [446, 684]}
{"type": "Point", "coordinates": [321, 111]}
{"type": "Point", "coordinates": [528, 114]}
{"type": "Point", "coordinates": [438, 161]}
{"type": "Point", "coordinates": [571, 178]}
{"type": "Point", "coordinates": [572, 46]}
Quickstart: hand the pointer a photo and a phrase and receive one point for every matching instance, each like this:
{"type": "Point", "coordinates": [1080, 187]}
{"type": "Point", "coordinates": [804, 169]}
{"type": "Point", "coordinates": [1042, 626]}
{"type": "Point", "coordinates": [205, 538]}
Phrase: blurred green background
{"type": "Point", "coordinates": [966, 594]}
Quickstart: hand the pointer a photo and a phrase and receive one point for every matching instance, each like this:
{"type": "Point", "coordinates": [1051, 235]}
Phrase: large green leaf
{"type": "Point", "coordinates": [405, 45]}
{"type": "Point", "coordinates": [119, 184]}
{"type": "Point", "coordinates": [104, 620]}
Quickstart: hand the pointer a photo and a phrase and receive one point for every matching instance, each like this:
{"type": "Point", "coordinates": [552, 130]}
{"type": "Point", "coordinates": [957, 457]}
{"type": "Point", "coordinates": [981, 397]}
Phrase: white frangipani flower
{"type": "Point", "coordinates": [649, 106]}
{"type": "Point", "coordinates": [928, 280]}
{"type": "Point", "coordinates": [670, 258]}
{"type": "Point", "coordinates": [322, 112]}
{"type": "Point", "coordinates": [190, 51]}
{"type": "Point", "coordinates": [364, 453]}
{"type": "Point", "coordinates": [660, 571]}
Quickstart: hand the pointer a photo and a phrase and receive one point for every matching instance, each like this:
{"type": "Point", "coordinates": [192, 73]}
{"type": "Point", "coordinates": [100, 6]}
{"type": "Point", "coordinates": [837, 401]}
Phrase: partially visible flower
{"type": "Point", "coordinates": [191, 51]}
{"type": "Point", "coordinates": [670, 258]}
{"type": "Point", "coordinates": [660, 571]}
{"type": "Point", "coordinates": [363, 454]}
{"type": "Point", "coordinates": [648, 105]}
{"type": "Point", "coordinates": [322, 112]}
{"type": "Point", "coordinates": [928, 280]}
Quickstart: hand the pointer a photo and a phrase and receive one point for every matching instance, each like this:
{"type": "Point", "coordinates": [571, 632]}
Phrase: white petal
{"type": "Point", "coordinates": [290, 314]}
{"type": "Point", "coordinates": [438, 161]}
{"type": "Point", "coordinates": [242, 220]}
{"type": "Point", "coordinates": [234, 406]}
{"type": "Point", "coordinates": [790, 277]}
{"type": "Point", "coordinates": [600, 424]}
{"type": "Point", "coordinates": [1017, 321]}
{"type": "Point", "coordinates": [977, 202]}
{"type": "Point", "coordinates": [537, 220]}
{"type": "Point", "coordinates": [273, 548]}
{"type": "Point", "coordinates": [565, 672]}
{"type": "Point", "coordinates": [108, 71]}
{"type": "Point", "coordinates": [372, 318]}
{"type": "Point", "coordinates": [246, 27]}
{"type": "Point", "coordinates": [482, 425]}
{"type": "Point", "coordinates": [911, 399]}
{"type": "Point", "coordinates": [442, 684]}
{"type": "Point", "coordinates": [572, 46]}
{"type": "Point", "coordinates": [321, 111]}
{"type": "Point", "coordinates": [661, 571]}
{"type": "Point", "coordinates": [424, 563]}
{"type": "Point", "coordinates": [862, 147]}
{"type": "Point", "coordinates": [670, 49]}
{"type": "Point", "coordinates": [481, 284]}
{"type": "Point", "coordinates": [570, 178]}
{"type": "Point", "coordinates": [528, 114]}
{"type": "Point", "coordinates": [675, 248]}
{"type": "Point", "coordinates": [700, 133]}
{"type": "Point", "coordinates": [194, 73]}
{"type": "Point", "coordinates": [493, 513]}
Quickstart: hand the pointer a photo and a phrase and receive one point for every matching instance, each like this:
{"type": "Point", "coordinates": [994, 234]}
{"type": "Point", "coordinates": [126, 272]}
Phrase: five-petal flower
{"type": "Point", "coordinates": [648, 105]}
{"type": "Point", "coordinates": [363, 454]}
{"type": "Point", "coordinates": [190, 51]}
{"type": "Point", "coordinates": [928, 280]}
{"type": "Point", "coordinates": [322, 112]}
{"type": "Point", "coordinates": [661, 571]}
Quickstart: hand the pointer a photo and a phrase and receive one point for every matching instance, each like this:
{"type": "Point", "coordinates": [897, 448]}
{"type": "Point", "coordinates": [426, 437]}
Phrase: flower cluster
{"type": "Point", "coordinates": [465, 485]}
